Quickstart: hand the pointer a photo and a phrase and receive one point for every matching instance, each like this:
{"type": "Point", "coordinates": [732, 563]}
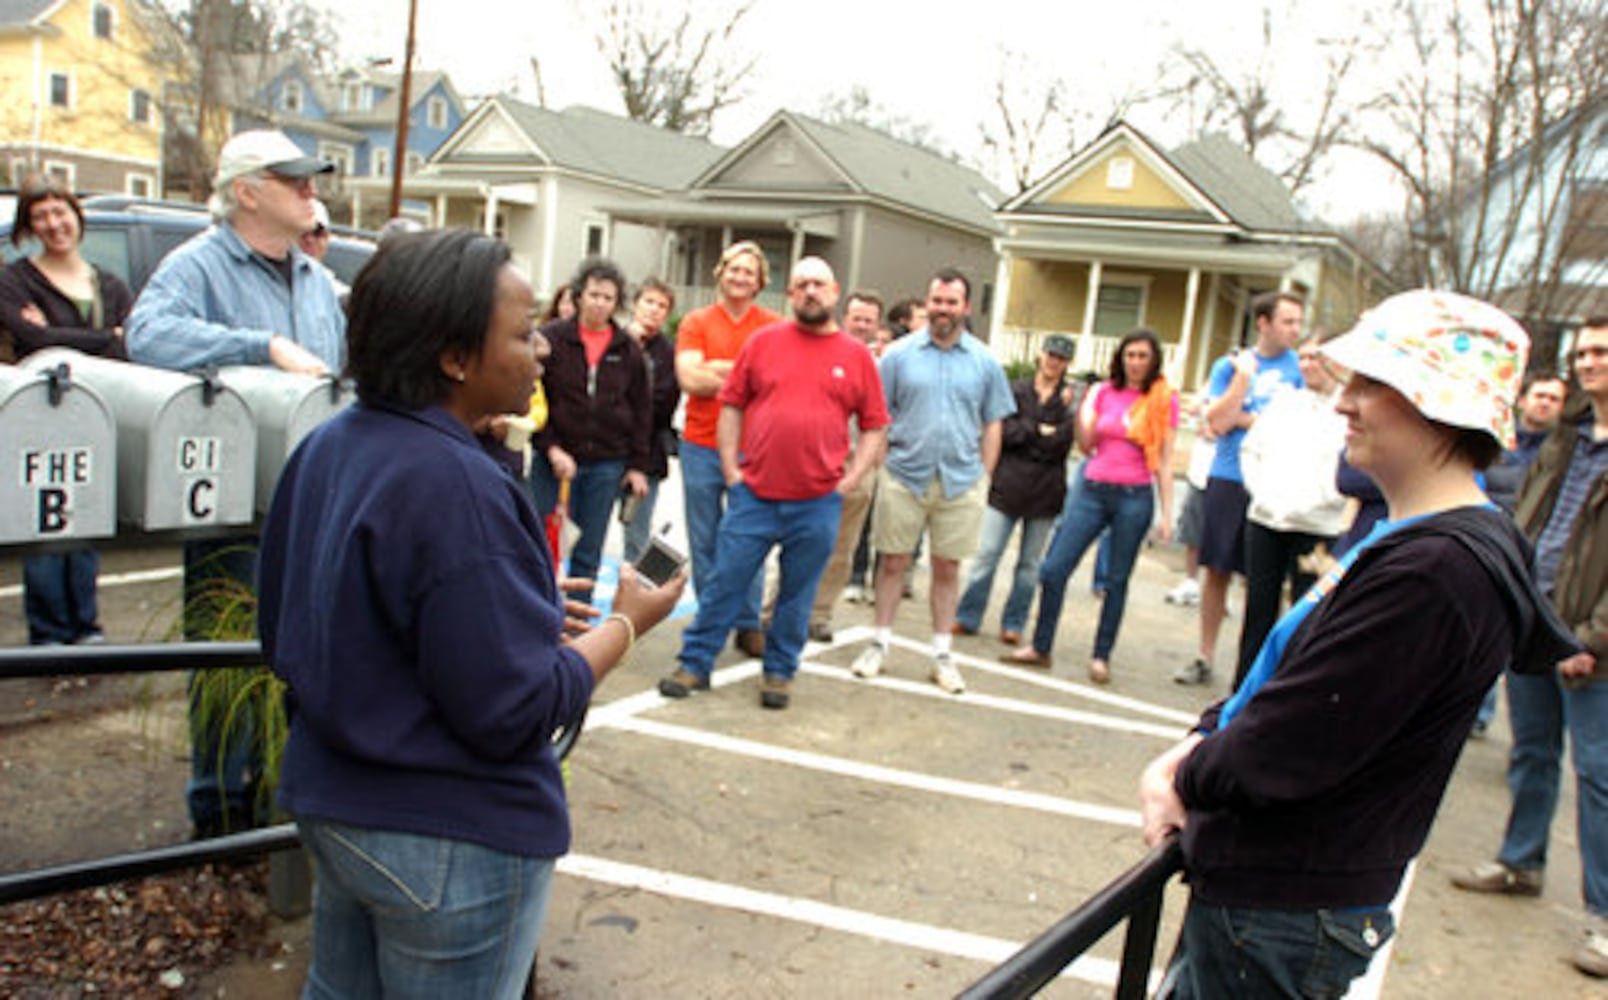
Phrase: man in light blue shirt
{"type": "Point", "coordinates": [947, 397]}
{"type": "Point", "coordinates": [1241, 386]}
{"type": "Point", "coordinates": [241, 293]}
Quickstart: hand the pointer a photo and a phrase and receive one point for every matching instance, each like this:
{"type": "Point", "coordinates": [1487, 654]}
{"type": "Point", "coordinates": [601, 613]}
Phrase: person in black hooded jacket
{"type": "Point", "coordinates": [1301, 799]}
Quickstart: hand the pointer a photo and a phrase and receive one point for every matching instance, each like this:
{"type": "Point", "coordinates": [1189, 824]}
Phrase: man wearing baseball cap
{"type": "Point", "coordinates": [240, 293]}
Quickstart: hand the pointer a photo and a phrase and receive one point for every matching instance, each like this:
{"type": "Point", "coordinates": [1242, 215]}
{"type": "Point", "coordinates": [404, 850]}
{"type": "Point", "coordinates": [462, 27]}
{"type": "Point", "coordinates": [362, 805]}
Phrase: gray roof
{"type": "Point", "coordinates": [15, 13]}
{"type": "Point", "coordinates": [1252, 195]}
{"type": "Point", "coordinates": [384, 113]}
{"type": "Point", "coordinates": [596, 142]}
{"type": "Point", "coordinates": [901, 172]}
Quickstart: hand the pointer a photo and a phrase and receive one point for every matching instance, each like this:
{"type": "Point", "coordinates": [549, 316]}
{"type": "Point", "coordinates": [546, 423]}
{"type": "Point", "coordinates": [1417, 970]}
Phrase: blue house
{"type": "Point", "coordinates": [350, 119]}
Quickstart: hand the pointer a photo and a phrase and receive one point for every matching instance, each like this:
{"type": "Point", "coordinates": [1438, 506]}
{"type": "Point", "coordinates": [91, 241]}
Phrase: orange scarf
{"type": "Point", "coordinates": [1150, 421]}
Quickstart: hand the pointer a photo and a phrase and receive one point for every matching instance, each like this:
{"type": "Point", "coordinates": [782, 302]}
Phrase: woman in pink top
{"type": "Point", "coordinates": [1127, 425]}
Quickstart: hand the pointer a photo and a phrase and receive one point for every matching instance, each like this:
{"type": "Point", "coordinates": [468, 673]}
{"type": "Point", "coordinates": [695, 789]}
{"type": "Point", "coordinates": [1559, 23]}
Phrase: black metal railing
{"type": "Point", "coordinates": [1135, 896]}
{"type": "Point", "coordinates": [58, 661]}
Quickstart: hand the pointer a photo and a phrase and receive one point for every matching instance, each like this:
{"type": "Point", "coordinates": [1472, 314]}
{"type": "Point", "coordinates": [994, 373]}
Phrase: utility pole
{"type": "Point", "coordinates": [399, 159]}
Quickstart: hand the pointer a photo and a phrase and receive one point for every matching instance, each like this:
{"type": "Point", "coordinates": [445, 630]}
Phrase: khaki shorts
{"type": "Point", "coordinates": [953, 526]}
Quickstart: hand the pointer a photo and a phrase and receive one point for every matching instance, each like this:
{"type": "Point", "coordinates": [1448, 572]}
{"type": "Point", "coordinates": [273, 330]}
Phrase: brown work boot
{"type": "Point", "coordinates": [682, 683]}
{"type": "Point", "coordinates": [750, 641]}
{"type": "Point", "coordinates": [1497, 878]}
{"type": "Point", "coordinates": [774, 691]}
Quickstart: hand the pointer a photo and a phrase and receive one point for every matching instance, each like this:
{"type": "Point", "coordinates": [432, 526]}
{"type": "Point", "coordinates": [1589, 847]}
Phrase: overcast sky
{"type": "Point", "coordinates": [931, 67]}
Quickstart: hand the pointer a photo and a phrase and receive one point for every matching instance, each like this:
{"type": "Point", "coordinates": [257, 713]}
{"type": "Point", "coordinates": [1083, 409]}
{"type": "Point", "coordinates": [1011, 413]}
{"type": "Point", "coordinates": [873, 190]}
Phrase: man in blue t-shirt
{"type": "Point", "coordinates": [1241, 385]}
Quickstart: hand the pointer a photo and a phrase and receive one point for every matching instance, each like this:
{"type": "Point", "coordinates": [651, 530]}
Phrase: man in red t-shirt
{"type": "Point", "coordinates": [783, 437]}
{"type": "Point", "coordinates": [707, 343]}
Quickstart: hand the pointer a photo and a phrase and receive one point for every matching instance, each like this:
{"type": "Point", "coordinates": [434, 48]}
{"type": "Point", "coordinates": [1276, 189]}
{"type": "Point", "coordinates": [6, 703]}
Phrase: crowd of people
{"type": "Point", "coordinates": [1374, 489]}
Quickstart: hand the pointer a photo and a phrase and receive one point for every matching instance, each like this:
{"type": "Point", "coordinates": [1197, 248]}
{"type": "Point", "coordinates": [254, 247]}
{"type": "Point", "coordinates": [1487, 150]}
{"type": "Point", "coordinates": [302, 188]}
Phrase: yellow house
{"type": "Point", "coordinates": [1124, 235]}
{"type": "Point", "coordinates": [80, 95]}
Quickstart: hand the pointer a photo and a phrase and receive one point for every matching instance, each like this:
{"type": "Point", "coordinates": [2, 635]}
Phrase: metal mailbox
{"type": "Point", "coordinates": [60, 441]}
{"type": "Point", "coordinates": [287, 407]}
{"type": "Point", "coordinates": [186, 444]}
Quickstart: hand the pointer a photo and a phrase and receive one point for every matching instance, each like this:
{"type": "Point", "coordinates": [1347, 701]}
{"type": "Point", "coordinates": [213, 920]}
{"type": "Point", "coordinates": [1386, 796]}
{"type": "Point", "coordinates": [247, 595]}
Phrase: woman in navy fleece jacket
{"type": "Point", "coordinates": [408, 601]}
{"type": "Point", "coordinates": [1301, 799]}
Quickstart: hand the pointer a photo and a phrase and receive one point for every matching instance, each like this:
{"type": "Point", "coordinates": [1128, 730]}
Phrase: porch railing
{"type": "Point", "coordinates": [1093, 353]}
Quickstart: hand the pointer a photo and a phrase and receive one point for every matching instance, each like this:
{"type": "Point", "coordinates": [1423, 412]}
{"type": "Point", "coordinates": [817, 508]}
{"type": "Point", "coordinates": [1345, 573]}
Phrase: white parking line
{"type": "Point", "coordinates": [976, 699]}
{"type": "Point", "coordinates": [925, 937]}
{"type": "Point", "coordinates": [874, 772]}
{"type": "Point", "coordinates": [116, 579]}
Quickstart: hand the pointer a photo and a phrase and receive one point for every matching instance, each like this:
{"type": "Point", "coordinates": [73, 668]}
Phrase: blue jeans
{"type": "Point", "coordinates": [704, 490]}
{"type": "Point", "coordinates": [1539, 709]}
{"type": "Point", "coordinates": [806, 530]}
{"type": "Point", "coordinates": [401, 915]}
{"type": "Point", "coordinates": [639, 528]}
{"type": "Point", "coordinates": [220, 574]}
{"type": "Point", "coordinates": [1125, 512]}
{"type": "Point", "coordinates": [58, 596]}
{"type": "Point", "coordinates": [1487, 711]}
{"type": "Point", "coordinates": [592, 494]}
{"type": "Point", "coordinates": [997, 529]}
{"type": "Point", "coordinates": [1249, 953]}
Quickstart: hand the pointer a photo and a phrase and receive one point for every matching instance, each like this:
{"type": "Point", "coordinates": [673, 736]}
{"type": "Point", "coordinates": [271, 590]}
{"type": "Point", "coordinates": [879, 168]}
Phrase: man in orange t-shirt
{"type": "Point", "coordinates": [707, 343]}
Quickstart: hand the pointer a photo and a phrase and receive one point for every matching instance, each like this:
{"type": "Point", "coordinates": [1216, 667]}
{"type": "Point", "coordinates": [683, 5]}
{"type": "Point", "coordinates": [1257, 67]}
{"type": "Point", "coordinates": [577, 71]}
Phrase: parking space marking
{"type": "Point", "coordinates": [874, 772]}
{"type": "Point", "coordinates": [976, 699]}
{"type": "Point", "coordinates": [116, 579]}
{"type": "Point", "coordinates": [925, 937]}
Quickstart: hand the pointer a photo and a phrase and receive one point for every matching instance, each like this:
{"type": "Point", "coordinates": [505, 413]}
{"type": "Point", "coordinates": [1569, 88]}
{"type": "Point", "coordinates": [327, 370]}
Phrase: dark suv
{"type": "Point", "coordinates": [130, 236]}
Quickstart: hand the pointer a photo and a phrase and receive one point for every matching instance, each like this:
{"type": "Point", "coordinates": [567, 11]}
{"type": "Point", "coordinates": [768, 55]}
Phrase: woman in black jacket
{"type": "Point", "coordinates": [1302, 798]}
{"type": "Point", "coordinates": [55, 298]}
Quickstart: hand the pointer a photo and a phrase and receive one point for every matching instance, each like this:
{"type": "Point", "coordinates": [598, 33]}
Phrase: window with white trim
{"type": "Point", "coordinates": [290, 96]}
{"type": "Point", "coordinates": [596, 240]}
{"type": "Point", "coordinates": [412, 164]}
{"type": "Point", "coordinates": [1119, 308]}
{"type": "Point", "coordinates": [102, 21]}
{"type": "Point", "coordinates": [435, 112]}
{"type": "Point", "coordinates": [61, 90]}
{"type": "Point", "coordinates": [140, 185]}
{"type": "Point", "coordinates": [352, 97]}
{"type": "Point", "coordinates": [139, 106]}
{"type": "Point", "coordinates": [19, 170]}
{"type": "Point", "coordinates": [1119, 173]}
{"type": "Point", "coordinates": [380, 160]}
{"type": "Point", "coordinates": [61, 172]}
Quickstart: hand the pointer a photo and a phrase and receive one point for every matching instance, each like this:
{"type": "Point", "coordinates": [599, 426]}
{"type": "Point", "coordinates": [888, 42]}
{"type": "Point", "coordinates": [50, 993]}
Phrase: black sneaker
{"type": "Point", "coordinates": [682, 683]}
{"type": "Point", "coordinates": [773, 691]}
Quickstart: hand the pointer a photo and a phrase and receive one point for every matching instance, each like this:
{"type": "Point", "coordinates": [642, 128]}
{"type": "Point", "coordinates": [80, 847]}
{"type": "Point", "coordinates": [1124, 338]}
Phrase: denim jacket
{"type": "Point", "coordinates": [215, 301]}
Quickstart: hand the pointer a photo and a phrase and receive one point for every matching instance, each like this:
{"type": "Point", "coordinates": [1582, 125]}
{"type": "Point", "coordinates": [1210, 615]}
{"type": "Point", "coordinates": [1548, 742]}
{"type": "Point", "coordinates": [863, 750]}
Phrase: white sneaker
{"type": "Point", "coordinates": [946, 675]}
{"type": "Point", "coordinates": [1186, 594]}
{"type": "Point", "coordinates": [869, 663]}
{"type": "Point", "coordinates": [854, 594]}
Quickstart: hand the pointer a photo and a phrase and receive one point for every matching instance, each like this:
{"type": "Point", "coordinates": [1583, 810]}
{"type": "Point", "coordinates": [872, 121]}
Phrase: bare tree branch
{"type": "Point", "coordinates": [676, 75]}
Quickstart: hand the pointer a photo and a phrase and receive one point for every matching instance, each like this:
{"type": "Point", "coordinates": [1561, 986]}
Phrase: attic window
{"type": "Point", "coordinates": [100, 16]}
{"type": "Point", "coordinates": [290, 98]}
{"type": "Point", "coordinates": [436, 113]}
{"type": "Point", "coordinates": [783, 153]}
{"type": "Point", "coordinates": [352, 97]}
{"type": "Point", "coordinates": [1119, 173]}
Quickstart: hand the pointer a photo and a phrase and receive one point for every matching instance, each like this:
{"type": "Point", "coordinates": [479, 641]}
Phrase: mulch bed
{"type": "Point", "coordinates": [152, 938]}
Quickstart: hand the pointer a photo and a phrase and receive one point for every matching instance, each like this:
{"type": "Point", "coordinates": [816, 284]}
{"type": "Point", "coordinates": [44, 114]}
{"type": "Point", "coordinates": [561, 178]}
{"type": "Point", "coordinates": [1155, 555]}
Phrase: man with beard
{"type": "Point", "coordinates": [787, 404]}
{"type": "Point", "coordinates": [947, 396]}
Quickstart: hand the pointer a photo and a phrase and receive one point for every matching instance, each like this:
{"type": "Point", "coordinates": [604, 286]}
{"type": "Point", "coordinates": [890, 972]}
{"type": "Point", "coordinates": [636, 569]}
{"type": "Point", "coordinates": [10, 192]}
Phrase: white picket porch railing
{"type": "Point", "coordinates": [1092, 354]}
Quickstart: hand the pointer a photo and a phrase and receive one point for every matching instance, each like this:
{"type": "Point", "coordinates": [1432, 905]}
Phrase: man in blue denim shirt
{"type": "Point", "coordinates": [947, 396]}
{"type": "Point", "coordinates": [241, 293]}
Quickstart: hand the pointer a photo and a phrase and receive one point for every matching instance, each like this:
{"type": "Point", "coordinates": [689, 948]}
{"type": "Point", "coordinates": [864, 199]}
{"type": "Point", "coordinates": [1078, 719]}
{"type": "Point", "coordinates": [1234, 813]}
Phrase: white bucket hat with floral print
{"type": "Point", "coordinates": [1460, 361]}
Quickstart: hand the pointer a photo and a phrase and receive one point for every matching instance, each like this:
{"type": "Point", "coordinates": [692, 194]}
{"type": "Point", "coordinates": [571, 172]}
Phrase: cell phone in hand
{"type": "Point", "coordinates": [659, 562]}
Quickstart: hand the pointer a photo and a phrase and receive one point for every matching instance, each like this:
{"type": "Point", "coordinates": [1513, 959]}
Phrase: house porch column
{"type": "Point", "coordinates": [1090, 304]}
{"type": "Point", "coordinates": [1181, 355]}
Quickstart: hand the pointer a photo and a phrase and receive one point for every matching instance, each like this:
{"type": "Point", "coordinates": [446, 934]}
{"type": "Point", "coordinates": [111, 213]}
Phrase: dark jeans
{"type": "Point", "coordinates": [1250, 953]}
{"type": "Point", "coordinates": [1093, 508]}
{"type": "Point", "coordinates": [591, 500]}
{"type": "Point", "coordinates": [1271, 558]}
{"type": "Point", "coordinates": [225, 757]}
{"type": "Point", "coordinates": [58, 596]}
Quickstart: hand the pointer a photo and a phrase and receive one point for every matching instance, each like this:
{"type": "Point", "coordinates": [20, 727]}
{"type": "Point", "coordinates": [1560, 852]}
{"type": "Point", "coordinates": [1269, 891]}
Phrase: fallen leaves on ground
{"type": "Point", "coordinates": [142, 939]}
